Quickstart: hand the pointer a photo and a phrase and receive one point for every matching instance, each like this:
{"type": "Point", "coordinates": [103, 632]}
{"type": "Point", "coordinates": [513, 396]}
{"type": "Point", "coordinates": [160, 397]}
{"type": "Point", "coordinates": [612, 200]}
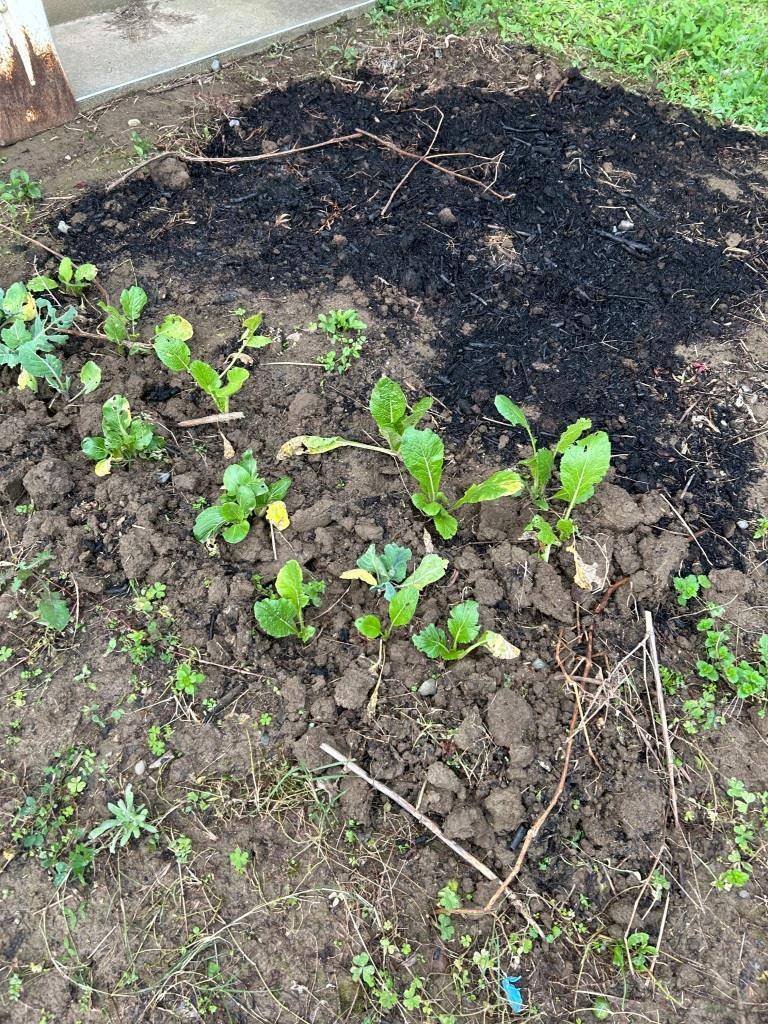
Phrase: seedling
{"type": "Point", "coordinates": [19, 190]}
{"type": "Point", "coordinates": [30, 329]}
{"type": "Point", "coordinates": [284, 615]}
{"type": "Point", "coordinates": [582, 462]}
{"type": "Point", "coordinates": [400, 611]}
{"type": "Point", "coordinates": [385, 572]}
{"type": "Point", "coordinates": [346, 332]}
{"type": "Point", "coordinates": [124, 438]}
{"type": "Point", "coordinates": [120, 323]}
{"type": "Point", "coordinates": [128, 822]}
{"type": "Point", "coordinates": [187, 679]}
{"type": "Point", "coordinates": [239, 860]}
{"type": "Point", "coordinates": [172, 350]}
{"type": "Point", "coordinates": [249, 339]}
{"type": "Point", "coordinates": [688, 587]}
{"type": "Point", "coordinates": [246, 494]}
{"type": "Point", "coordinates": [421, 451]}
{"type": "Point", "coordinates": [463, 637]}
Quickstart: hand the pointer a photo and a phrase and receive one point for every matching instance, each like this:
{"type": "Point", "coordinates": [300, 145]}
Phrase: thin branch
{"type": "Point", "coordinates": [219, 417]}
{"type": "Point", "coordinates": [650, 643]}
{"type": "Point", "coordinates": [414, 165]}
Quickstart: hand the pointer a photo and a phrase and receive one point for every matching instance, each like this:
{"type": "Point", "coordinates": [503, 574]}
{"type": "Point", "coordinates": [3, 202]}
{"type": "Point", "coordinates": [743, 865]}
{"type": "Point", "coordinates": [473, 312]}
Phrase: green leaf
{"type": "Point", "coordinates": [402, 607]}
{"type": "Point", "coordinates": [424, 505]}
{"type": "Point", "coordinates": [418, 411]}
{"type": "Point", "coordinates": [289, 584]}
{"type": "Point", "coordinates": [116, 422]}
{"type": "Point", "coordinates": [90, 376]}
{"type": "Point", "coordinates": [514, 415]}
{"type": "Point", "coordinates": [53, 612]}
{"type": "Point", "coordinates": [175, 328]}
{"type": "Point", "coordinates": [582, 466]}
{"type": "Point", "coordinates": [236, 532]}
{"type": "Point", "coordinates": [208, 522]}
{"type": "Point", "coordinates": [542, 531]}
{"type": "Point", "coordinates": [86, 273]}
{"type": "Point", "coordinates": [172, 352]}
{"type": "Point", "coordinates": [429, 570]}
{"type": "Point", "coordinates": [369, 626]}
{"type": "Point", "coordinates": [66, 270]}
{"type": "Point", "coordinates": [236, 377]}
{"type": "Point", "coordinates": [205, 376]}
{"type": "Point", "coordinates": [464, 622]}
{"type": "Point", "coordinates": [540, 467]}
{"type": "Point", "coordinates": [42, 284]}
{"type": "Point", "coordinates": [572, 433]}
{"type": "Point", "coordinates": [504, 483]}
{"type": "Point", "coordinates": [387, 404]}
{"type": "Point", "coordinates": [95, 448]}
{"type": "Point", "coordinates": [445, 524]}
{"type": "Point", "coordinates": [133, 300]}
{"type": "Point", "coordinates": [431, 641]}
{"type": "Point", "coordinates": [423, 454]}
{"type": "Point", "coordinates": [276, 617]}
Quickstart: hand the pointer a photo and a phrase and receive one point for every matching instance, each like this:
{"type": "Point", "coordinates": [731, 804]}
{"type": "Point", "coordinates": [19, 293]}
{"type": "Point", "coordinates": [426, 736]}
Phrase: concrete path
{"type": "Point", "coordinates": [133, 44]}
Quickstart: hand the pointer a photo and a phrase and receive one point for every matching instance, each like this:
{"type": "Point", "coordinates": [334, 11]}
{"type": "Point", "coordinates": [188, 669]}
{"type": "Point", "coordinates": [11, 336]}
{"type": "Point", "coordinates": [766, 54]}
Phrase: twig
{"type": "Point", "coordinates": [650, 643]}
{"type": "Point", "coordinates": [53, 252]}
{"type": "Point", "coordinates": [350, 766]}
{"type": "Point", "coordinates": [413, 166]}
{"type": "Point", "coordinates": [687, 528]}
{"type": "Point", "coordinates": [626, 242]}
{"type": "Point", "coordinates": [603, 603]}
{"type": "Point", "coordinates": [219, 417]}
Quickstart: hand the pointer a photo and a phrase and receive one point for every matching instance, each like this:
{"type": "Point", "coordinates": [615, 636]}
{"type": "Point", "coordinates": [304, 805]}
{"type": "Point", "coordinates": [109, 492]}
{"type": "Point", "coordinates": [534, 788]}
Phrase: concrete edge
{"type": "Point", "coordinates": [245, 49]}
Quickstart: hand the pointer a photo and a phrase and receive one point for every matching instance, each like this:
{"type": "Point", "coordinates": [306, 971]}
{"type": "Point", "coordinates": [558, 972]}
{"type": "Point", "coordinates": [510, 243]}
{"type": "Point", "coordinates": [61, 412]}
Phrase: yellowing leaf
{"type": "Point", "coordinates": [310, 444]}
{"type": "Point", "coordinates": [586, 575]}
{"type": "Point", "coordinates": [229, 451]}
{"type": "Point", "coordinates": [26, 380]}
{"type": "Point", "coordinates": [29, 309]}
{"type": "Point", "coordinates": [104, 468]}
{"type": "Point", "coordinates": [360, 574]}
{"type": "Point", "coordinates": [499, 647]}
{"type": "Point", "coordinates": [277, 515]}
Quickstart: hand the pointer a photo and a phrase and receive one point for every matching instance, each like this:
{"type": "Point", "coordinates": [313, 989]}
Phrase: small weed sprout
{"type": "Point", "coordinates": [128, 821]}
{"type": "Point", "coordinates": [187, 680]}
{"type": "Point", "coordinates": [246, 494]}
{"type": "Point", "coordinates": [463, 637]}
{"type": "Point", "coordinates": [688, 587]}
{"type": "Point", "coordinates": [239, 860]}
{"type": "Point", "coordinates": [283, 616]}
{"type": "Point", "coordinates": [346, 333]}
{"type": "Point", "coordinates": [124, 438]}
{"type": "Point", "coordinates": [171, 348]}
{"type": "Point", "coordinates": [19, 191]}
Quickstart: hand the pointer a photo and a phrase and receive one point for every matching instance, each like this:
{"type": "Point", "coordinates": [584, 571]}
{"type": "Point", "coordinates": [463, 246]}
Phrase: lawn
{"type": "Point", "coordinates": [712, 56]}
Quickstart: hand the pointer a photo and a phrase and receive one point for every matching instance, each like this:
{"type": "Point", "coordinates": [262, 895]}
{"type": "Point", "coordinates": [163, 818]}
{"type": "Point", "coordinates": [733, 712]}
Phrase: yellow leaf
{"type": "Point", "coordinates": [277, 515]}
{"type": "Point", "coordinates": [29, 309]}
{"type": "Point", "coordinates": [499, 647]}
{"type": "Point", "coordinates": [26, 380]}
{"type": "Point", "coordinates": [104, 468]}
{"type": "Point", "coordinates": [586, 575]}
{"type": "Point", "coordinates": [360, 574]}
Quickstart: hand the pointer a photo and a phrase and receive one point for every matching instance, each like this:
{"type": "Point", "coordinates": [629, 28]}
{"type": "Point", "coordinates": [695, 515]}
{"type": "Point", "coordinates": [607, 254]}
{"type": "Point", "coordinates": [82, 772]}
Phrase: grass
{"type": "Point", "coordinates": [710, 56]}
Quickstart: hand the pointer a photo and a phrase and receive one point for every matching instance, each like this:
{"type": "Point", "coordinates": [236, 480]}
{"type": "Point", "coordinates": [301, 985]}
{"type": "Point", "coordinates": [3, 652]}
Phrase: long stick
{"type": "Point", "coordinates": [650, 642]}
{"type": "Point", "coordinates": [355, 769]}
{"type": "Point", "coordinates": [219, 417]}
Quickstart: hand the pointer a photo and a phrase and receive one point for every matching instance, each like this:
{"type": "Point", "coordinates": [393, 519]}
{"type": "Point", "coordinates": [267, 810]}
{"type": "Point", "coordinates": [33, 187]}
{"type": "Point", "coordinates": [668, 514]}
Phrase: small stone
{"type": "Point", "coordinates": [170, 174]}
{"type": "Point", "coordinates": [63, 227]}
{"type": "Point", "coordinates": [133, 122]}
{"type": "Point", "coordinates": [163, 478]}
{"type": "Point", "coordinates": [215, 64]}
{"type": "Point", "coordinates": [447, 217]}
{"type": "Point", "coordinates": [626, 225]}
{"type": "Point", "coordinates": [140, 767]}
{"type": "Point", "coordinates": [428, 688]}
{"type": "Point", "coordinates": [743, 524]}
{"type": "Point", "coordinates": [234, 122]}
{"type": "Point", "coordinates": [538, 664]}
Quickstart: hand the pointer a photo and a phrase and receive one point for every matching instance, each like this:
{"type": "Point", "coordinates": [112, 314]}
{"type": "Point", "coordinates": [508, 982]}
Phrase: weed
{"type": "Point", "coordinates": [127, 823]}
{"type": "Point", "coordinates": [142, 146]}
{"type": "Point", "coordinates": [465, 636]}
{"type": "Point", "coordinates": [157, 739]}
{"type": "Point", "coordinates": [346, 332]}
{"type": "Point", "coordinates": [124, 437]}
{"type": "Point", "coordinates": [690, 586]}
{"type": "Point", "coordinates": [187, 679]}
{"type": "Point", "coordinates": [246, 494]}
{"type": "Point", "coordinates": [47, 607]}
{"type": "Point", "coordinates": [284, 615]}
{"type": "Point", "coordinates": [181, 848]}
{"type": "Point", "coordinates": [582, 462]}
{"type": "Point", "coordinates": [760, 531]}
{"type": "Point", "coordinates": [239, 860]}
{"type": "Point", "coordinates": [171, 348]}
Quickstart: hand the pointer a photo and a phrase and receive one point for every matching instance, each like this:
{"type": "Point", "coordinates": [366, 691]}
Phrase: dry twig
{"type": "Point", "coordinates": [219, 417]}
{"type": "Point", "coordinates": [650, 644]}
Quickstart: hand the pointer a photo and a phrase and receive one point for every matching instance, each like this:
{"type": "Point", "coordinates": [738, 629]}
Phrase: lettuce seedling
{"type": "Point", "coordinates": [70, 278]}
{"type": "Point", "coordinates": [284, 615]}
{"type": "Point", "coordinates": [120, 323]}
{"type": "Point", "coordinates": [383, 573]}
{"type": "Point", "coordinates": [246, 494]}
{"type": "Point", "coordinates": [172, 350]}
{"type": "Point", "coordinates": [582, 463]}
{"type": "Point", "coordinates": [463, 637]}
{"type": "Point", "coordinates": [124, 438]}
{"type": "Point", "coordinates": [30, 329]}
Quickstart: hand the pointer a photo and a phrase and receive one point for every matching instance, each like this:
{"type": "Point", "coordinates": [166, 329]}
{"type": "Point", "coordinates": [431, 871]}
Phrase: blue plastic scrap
{"type": "Point", "coordinates": [512, 992]}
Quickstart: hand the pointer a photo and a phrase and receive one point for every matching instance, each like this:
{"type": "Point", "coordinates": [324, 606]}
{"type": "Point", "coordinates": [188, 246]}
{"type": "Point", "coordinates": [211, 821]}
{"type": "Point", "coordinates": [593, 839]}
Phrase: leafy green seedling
{"type": "Point", "coordinates": [582, 463]}
{"type": "Point", "coordinates": [284, 615]}
{"type": "Point", "coordinates": [463, 637]}
{"type": "Point", "coordinates": [128, 821]}
{"type": "Point", "coordinates": [74, 279]}
{"type": "Point", "coordinates": [52, 611]}
{"type": "Point", "coordinates": [690, 586]}
{"type": "Point", "coordinates": [187, 679]}
{"type": "Point", "coordinates": [19, 190]}
{"type": "Point", "coordinates": [120, 323]}
{"type": "Point", "coordinates": [761, 528]}
{"type": "Point", "coordinates": [346, 332]}
{"type": "Point", "coordinates": [385, 572]}
{"type": "Point", "coordinates": [124, 438]}
{"type": "Point", "coordinates": [30, 330]}
{"type": "Point", "coordinates": [246, 494]}
{"type": "Point", "coordinates": [172, 350]}
{"type": "Point", "coordinates": [90, 378]}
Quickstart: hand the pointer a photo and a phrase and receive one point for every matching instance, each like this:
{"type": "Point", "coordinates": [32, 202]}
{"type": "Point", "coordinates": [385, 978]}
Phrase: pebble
{"type": "Point", "coordinates": [163, 478]}
{"type": "Point", "coordinates": [140, 767]}
{"type": "Point", "coordinates": [743, 524]}
{"type": "Point", "coordinates": [234, 122]}
{"type": "Point", "coordinates": [215, 64]}
{"type": "Point", "coordinates": [447, 217]}
{"type": "Point", "coordinates": [133, 122]}
{"type": "Point", "coordinates": [538, 664]}
{"type": "Point", "coordinates": [63, 227]}
{"type": "Point", "coordinates": [428, 688]}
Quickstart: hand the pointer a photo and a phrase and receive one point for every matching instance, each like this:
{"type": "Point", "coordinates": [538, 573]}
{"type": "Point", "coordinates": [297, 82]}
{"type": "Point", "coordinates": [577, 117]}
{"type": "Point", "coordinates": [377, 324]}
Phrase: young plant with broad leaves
{"type": "Point", "coordinates": [123, 439]}
{"type": "Point", "coordinates": [120, 324]}
{"type": "Point", "coordinates": [31, 328]}
{"type": "Point", "coordinates": [283, 616]}
{"type": "Point", "coordinates": [71, 278]}
{"type": "Point", "coordinates": [171, 348]}
{"type": "Point", "coordinates": [128, 821]}
{"type": "Point", "coordinates": [580, 463]}
{"type": "Point", "coordinates": [462, 637]}
{"type": "Point", "coordinates": [421, 451]}
{"type": "Point", "coordinates": [245, 494]}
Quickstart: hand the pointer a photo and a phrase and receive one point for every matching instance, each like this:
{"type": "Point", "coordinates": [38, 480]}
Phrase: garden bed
{"type": "Point", "coordinates": [621, 282]}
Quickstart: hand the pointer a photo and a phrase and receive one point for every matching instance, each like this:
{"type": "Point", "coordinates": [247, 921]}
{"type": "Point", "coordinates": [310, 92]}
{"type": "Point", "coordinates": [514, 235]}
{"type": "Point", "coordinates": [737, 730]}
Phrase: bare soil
{"type": "Point", "coordinates": [624, 282]}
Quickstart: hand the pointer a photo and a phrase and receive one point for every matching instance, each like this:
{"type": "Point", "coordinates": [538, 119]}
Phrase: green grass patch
{"type": "Point", "coordinates": [710, 56]}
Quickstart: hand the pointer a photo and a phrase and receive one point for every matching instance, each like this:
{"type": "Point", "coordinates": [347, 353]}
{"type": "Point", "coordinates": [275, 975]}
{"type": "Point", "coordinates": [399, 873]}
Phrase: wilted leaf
{"type": "Point", "coordinates": [499, 647]}
{"type": "Point", "coordinates": [310, 444]}
{"type": "Point", "coordinates": [277, 515]}
{"type": "Point", "coordinates": [586, 575]}
{"type": "Point", "coordinates": [104, 467]}
{"type": "Point", "coordinates": [360, 574]}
